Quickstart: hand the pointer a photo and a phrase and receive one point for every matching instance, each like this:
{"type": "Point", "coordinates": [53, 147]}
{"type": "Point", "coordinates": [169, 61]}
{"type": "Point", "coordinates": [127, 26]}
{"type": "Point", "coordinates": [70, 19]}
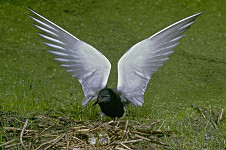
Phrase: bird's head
{"type": "Point", "coordinates": [104, 96]}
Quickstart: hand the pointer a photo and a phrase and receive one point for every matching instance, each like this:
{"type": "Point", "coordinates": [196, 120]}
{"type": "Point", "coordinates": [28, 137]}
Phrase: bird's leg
{"type": "Point", "coordinates": [117, 120]}
{"type": "Point", "coordinates": [101, 116]}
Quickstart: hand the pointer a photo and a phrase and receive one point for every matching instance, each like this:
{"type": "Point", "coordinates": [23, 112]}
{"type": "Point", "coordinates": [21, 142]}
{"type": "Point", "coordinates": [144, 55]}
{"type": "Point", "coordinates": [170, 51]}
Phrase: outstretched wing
{"type": "Point", "coordinates": [85, 63]}
{"type": "Point", "coordinates": [143, 59]}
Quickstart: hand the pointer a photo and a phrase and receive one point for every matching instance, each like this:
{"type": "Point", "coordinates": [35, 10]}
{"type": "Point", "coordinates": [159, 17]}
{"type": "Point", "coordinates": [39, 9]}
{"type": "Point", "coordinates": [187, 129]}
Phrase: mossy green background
{"type": "Point", "coordinates": [32, 83]}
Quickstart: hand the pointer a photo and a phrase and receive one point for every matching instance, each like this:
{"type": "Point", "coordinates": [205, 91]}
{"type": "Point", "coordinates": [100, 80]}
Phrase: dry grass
{"type": "Point", "coordinates": [45, 132]}
{"type": "Point", "coordinates": [54, 132]}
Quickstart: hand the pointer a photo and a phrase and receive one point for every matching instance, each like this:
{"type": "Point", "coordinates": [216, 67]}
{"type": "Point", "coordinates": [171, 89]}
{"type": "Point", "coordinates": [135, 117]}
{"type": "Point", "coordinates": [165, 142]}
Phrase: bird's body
{"type": "Point", "coordinates": [110, 103]}
{"type": "Point", "coordinates": [92, 68]}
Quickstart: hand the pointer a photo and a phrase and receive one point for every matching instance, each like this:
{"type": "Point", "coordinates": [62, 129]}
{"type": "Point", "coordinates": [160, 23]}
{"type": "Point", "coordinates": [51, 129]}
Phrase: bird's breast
{"type": "Point", "coordinates": [112, 109]}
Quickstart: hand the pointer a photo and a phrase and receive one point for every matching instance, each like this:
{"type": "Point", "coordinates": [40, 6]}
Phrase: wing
{"type": "Point", "coordinates": [85, 63]}
{"type": "Point", "coordinates": [137, 65]}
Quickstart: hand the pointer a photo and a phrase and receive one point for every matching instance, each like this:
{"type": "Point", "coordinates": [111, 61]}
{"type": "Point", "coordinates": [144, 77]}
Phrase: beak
{"type": "Point", "coordinates": [97, 102]}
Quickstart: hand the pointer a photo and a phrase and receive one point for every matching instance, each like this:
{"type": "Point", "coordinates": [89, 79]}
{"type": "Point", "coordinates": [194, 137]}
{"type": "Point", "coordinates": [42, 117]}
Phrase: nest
{"type": "Point", "coordinates": [59, 133]}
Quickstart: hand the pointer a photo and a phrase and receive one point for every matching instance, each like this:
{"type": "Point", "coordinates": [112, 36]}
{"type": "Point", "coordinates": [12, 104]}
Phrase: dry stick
{"type": "Point", "coordinates": [12, 145]}
{"type": "Point", "coordinates": [148, 132]}
{"type": "Point", "coordinates": [149, 126]}
{"type": "Point", "coordinates": [86, 130]}
{"type": "Point", "coordinates": [46, 143]}
{"type": "Point", "coordinates": [140, 132]}
{"type": "Point", "coordinates": [17, 129]}
{"type": "Point", "coordinates": [110, 122]}
{"type": "Point", "coordinates": [6, 143]}
{"type": "Point", "coordinates": [55, 141]}
{"type": "Point", "coordinates": [153, 123]}
{"type": "Point", "coordinates": [161, 125]}
{"type": "Point", "coordinates": [214, 124]}
{"type": "Point", "coordinates": [151, 140]}
{"type": "Point", "coordinates": [131, 141]}
{"type": "Point", "coordinates": [21, 135]}
{"type": "Point", "coordinates": [126, 146]}
{"type": "Point", "coordinates": [221, 114]}
{"type": "Point", "coordinates": [29, 146]}
{"type": "Point", "coordinates": [45, 130]}
{"type": "Point", "coordinates": [77, 139]}
{"type": "Point", "coordinates": [118, 121]}
{"type": "Point", "coordinates": [96, 128]}
{"type": "Point", "coordinates": [80, 141]}
{"type": "Point", "coordinates": [199, 110]}
{"type": "Point", "coordinates": [128, 133]}
{"type": "Point", "coordinates": [68, 143]}
{"type": "Point", "coordinates": [119, 148]}
{"type": "Point", "coordinates": [41, 133]}
{"type": "Point", "coordinates": [127, 122]}
{"type": "Point", "coordinates": [203, 115]}
{"type": "Point", "coordinates": [75, 128]}
{"type": "Point", "coordinates": [124, 121]}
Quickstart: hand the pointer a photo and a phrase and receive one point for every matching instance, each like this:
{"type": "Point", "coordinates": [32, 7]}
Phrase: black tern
{"type": "Point", "coordinates": [92, 68]}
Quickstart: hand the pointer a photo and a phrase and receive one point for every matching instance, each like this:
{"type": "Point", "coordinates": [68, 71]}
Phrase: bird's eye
{"type": "Point", "coordinates": [106, 95]}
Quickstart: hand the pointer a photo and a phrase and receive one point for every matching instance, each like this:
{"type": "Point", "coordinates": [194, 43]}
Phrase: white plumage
{"type": "Point", "coordinates": [137, 65]}
{"type": "Point", "coordinates": [85, 63]}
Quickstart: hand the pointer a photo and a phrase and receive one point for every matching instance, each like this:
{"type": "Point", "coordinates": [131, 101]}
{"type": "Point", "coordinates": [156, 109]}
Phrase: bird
{"type": "Point", "coordinates": [110, 103]}
{"type": "Point", "coordinates": [92, 68]}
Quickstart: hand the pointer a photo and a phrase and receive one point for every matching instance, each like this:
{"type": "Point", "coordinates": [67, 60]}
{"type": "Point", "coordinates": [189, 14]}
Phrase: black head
{"type": "Point", "coordinates": [106, 95]}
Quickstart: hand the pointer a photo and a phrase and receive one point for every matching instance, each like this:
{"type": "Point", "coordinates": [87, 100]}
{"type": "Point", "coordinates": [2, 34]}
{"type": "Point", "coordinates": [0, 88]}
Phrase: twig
{"type": "Point", "coordinates": [45, 130]}
{"type": "Point", "coordinates": [127, 122]}
{"type": "Point", "coordinates": [203, 115]}
{"type": "Point", "coordinates": [214, 124]}
{"type": "Point", "coordinates": [126, 146]}
{"type": "Point", "coordinates": [161, 125]}
{"type": "Point", "coordinates": [110, 122]}
{"type": "Point", "coordinates": [81, 141]}
{"type": "Point", "coordinates": [151, 140]}
{"type": "Point", "coordinates": [21, 134]}
{"type": "Point", "coordinates": [44, 144]}
{"type": "Point", "coordinates": [12, 145]}
{"type": "Point", "coordinates": [131, 141]}
{"type": "Point", "coordinates": [67, 141]}
{"type": "Point", "coordinates": [55, 141]}
{"type": "Point", "coordinates": [153, 123]}
{"type": "Point", "coordinates": [18, 129]}
{"type": "Point", "coordinates": [119, 148]}
{"type": "Point", "coordinates": [79, 127]}
{"type": "Point", "coordinates": [29, 146]}
{"type": "Point", "coordinates": [40, 134]}
{"type": "Point", "coordinates": [118, 121]}
{"type": "Point", "coordinates": [146, 132]}
{"type": "Point", "coordinates": [133, 121]}
{"type": "Point", "coordinates": [221, 114]}
{"type": "Point", "coordinates": [86, 130]}
{"type": "Point", "coordinates": [67, 147]}
{"type": "Point", "coordinates": [6, 143]}
{"type": "Point", "coordinates": [199, 110]}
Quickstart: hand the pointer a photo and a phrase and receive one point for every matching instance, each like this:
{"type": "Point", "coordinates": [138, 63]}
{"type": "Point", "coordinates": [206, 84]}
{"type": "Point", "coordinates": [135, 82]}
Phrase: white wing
{"type": "Point", "coordinates": [85, 63]}
{"type": "Point", "coordinates": [143, 59]}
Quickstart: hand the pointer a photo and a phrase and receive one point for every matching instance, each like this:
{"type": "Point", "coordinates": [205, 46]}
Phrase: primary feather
{"type": "Point", "coordinates": [87, 64]}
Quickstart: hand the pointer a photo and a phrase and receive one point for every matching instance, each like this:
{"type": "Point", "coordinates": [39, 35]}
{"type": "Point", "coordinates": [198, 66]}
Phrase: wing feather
{"type": "Point", "coordinates": [87, 64]}
{"type": "Point", "coordinates": [137, 65]}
